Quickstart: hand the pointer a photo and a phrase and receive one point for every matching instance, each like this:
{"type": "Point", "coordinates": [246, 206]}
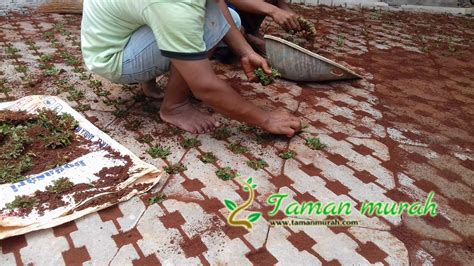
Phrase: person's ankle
{"type": "Point", "coordinates": [167, 108]}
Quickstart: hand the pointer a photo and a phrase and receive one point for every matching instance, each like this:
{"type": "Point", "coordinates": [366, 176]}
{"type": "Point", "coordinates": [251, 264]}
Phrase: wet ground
{"type": "Point", "coordinates": [404, 130]}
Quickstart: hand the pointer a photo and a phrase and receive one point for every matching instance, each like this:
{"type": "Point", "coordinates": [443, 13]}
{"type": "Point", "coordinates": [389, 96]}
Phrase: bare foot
{"type": "Point", "coordinates": [151, 89]}
{"type": "Point", "coordinates": [188, 118]}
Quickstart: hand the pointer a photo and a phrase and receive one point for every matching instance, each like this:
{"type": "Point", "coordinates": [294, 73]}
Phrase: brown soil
{"type": "Point", "coordinates": [427, 91]}
{"type": "Point", "coordinates": [46, 158]}
{"type": "Point", "coordinates": [50, 158]}
{"type": "Point", "coordinates": [14, 117]}
{"type": "Point", "coordinates": [36, 146]}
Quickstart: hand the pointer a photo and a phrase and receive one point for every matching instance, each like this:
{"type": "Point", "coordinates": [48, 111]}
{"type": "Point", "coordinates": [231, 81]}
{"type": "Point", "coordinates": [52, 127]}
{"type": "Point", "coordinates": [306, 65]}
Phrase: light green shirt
{"type": "Point", "coordinates": [178, 26]}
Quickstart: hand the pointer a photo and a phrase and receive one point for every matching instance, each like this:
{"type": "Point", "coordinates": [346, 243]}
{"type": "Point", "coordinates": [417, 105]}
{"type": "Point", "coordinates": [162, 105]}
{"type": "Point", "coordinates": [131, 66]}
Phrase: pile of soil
{"type": "Point", "coordinates": [27, 138]}
{"type": "Point", "coordinates": [31, 144]}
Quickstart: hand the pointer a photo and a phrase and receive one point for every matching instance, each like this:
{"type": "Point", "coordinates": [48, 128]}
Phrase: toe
{"type": "Point", "coordinates": [200, 129]}
{"type": "Point", "coordinates": [210, 126]}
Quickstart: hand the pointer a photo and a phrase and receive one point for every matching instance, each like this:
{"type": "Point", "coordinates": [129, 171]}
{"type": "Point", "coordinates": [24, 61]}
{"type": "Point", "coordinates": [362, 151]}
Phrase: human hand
{"type": "Point", "coordinates": [283, 123]}
{"type": "Point", "coordinates": [253, 61]}
{"type": "Point", "coordinates": [287, 19]}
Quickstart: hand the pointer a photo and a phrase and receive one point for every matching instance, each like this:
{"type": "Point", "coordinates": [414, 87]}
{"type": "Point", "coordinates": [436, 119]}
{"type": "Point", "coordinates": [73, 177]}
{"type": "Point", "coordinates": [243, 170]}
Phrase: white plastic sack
{"type": "Point", "coordinates": [142, 176]}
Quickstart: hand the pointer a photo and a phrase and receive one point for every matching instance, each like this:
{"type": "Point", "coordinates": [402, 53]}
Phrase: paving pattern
{"type": "Point", "coordinates": [404, 130]}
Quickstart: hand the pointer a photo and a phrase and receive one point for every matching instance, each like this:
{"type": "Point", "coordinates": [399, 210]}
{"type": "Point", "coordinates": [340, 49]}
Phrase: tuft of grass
{"type": "Point", "coordinates": [16, 140]}
{"type": "Point", "coordinates": [51, 71]}
{"type": "Point", "coordinates": [315, 144]}
{"type": "Point", "coordinates": [95, 84]}
{"type": "Point", "coordinates": [175, 169]}
{"type": "Point", "coordinates": [266, 79]}
{"type": "Point", "coordinates": [21, 69]}
{"type": "Point", "coordinates": [61, 185]}
{"type": "Point", "coordinates": [22, 202]}
{"type": "Point", "coordinates": [237, 148]}
{"type": "Point", "coordinates": [340, 41]}
{"type": "Point", "coordinates": [208, 157]}
{"type": "Point", "coordinates": [46, 58]}
{"type": "Point", "coordinates": [226, 173]}
{"type": "Point", "coordinates": [221, 133]}
{"type": "Point", "coordinates": [247, 129]}
{"type": "Point", "coordinates": [289, 154]}
{"type": "Point", "coordinates": [159, 198]}
{"type": "Point", "coordinates": [159, 152]}
{"type": "Point", "coordinates": [84, 107]}
{"type": "Point", "coordinates": [190, 143]}
{"type": "Point", "coordinates": [13, 173]}
{"type": "Point", "coordinates": [74, 94]}
{"type": "Point", "coordinates": [48, 34]}
{"type": "Point", "coordinates": [57, 130]}
{"type": "Point", "coordinates": [257, 164]}
{"type": "Point", "coordinates": [10, 49]}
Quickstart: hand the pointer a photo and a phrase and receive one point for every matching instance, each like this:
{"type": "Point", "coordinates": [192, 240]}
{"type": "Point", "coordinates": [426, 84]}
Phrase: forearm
{"type": "Point", "coordinates": [207, 87]}
{"type": "Point", "coordinates": [284, 5]}
{"type": "Point", "coordinates": [234, 38]}
{"type": "Point", "coordinates": [221, 97]}
{"type": "Point", "coordinates": [254, 6]}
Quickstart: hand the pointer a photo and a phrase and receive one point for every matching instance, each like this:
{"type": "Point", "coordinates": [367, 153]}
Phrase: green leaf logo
{"type": "Point", "coordinates": [235, 209]}
{"type": "Point", "coordinates": [230, 204]}
{"type": "Point", "coordinates": [254, 217]}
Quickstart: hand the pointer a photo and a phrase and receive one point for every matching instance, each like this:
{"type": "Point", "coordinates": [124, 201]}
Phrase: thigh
{"type": "Point", "coordinates": [142, 59]}
{"type": "Point", "coordinates": [251, 22]}
{"type": "Point", "coordinates": [216, 26]}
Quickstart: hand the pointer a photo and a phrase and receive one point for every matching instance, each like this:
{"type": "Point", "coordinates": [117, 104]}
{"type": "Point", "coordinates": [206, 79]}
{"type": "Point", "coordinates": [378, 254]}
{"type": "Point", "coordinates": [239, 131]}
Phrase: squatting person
{"type": "Point", "coordinates": [136, 41]}
{"type": "Point", "coordinates": [253, 12]}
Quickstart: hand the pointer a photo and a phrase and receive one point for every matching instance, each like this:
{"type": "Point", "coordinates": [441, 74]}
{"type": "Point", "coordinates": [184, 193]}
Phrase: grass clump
{"type": "Point", "coordinates": [59, 186]}
{"type": "Point", "coordinates": [266, 79]}
{"type": "Point", "coordinates": [175, 169]}
{"type": "Point", "coordinates": [51, 71]}
{"type": "Point", "coordinates": [208, 157]}
{"type": "Point", "coordinates": [74, 94]}
{"type": "Point", "coordinates": [289, 154]}
{"type": "Point", "coordinates": [190, 143]}
{"type": "Point", "coordinates": [247, 129]}
{"type": "Point", "coordinates": [226, 173]}
{"type": "Point", "coordinates": [20, 132]}
{"type": "Point", "coordinates": [221, 133]}
{"type": "Point", "coordinates": [237, 148]}
{"type": "Point", "coordinates": [22, 202]}
{"type": "Point", "coordinates": [257, 164]}
{"type": "Point", "coordinates": [46, 58]}
{"type": "Point", "coordinates": [159, 152]}
{"type": "Point", "coordinates": [315, 144]}
{"type": "Point", "coordinates": [158, 198]}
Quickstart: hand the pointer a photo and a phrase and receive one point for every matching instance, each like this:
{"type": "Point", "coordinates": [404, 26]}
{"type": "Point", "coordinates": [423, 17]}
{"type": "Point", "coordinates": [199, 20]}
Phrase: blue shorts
{"type": "Point", "coordinates": [142, 59]}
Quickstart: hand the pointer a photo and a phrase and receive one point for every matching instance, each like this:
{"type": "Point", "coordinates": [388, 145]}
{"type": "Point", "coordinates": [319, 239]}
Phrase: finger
{"type": "Point", "coordinates": [266, 67]}
{"type": "Point", "coordinates": [294, 23]}
{"type": "Point", "coordinates": [289, 132]}
{"type": "Point", "coordinates": [296, 125]}
{"type": "Point", "coordinates": [288, 25]}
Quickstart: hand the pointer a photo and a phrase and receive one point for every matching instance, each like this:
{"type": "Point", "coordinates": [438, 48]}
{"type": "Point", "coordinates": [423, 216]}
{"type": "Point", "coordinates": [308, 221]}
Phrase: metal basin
{"type": "Point", "coordinates": [299, 64]}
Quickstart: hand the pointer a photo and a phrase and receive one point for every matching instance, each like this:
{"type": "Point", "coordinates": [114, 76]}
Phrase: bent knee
{"type": "Point", "coordinates": [236, 18]}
